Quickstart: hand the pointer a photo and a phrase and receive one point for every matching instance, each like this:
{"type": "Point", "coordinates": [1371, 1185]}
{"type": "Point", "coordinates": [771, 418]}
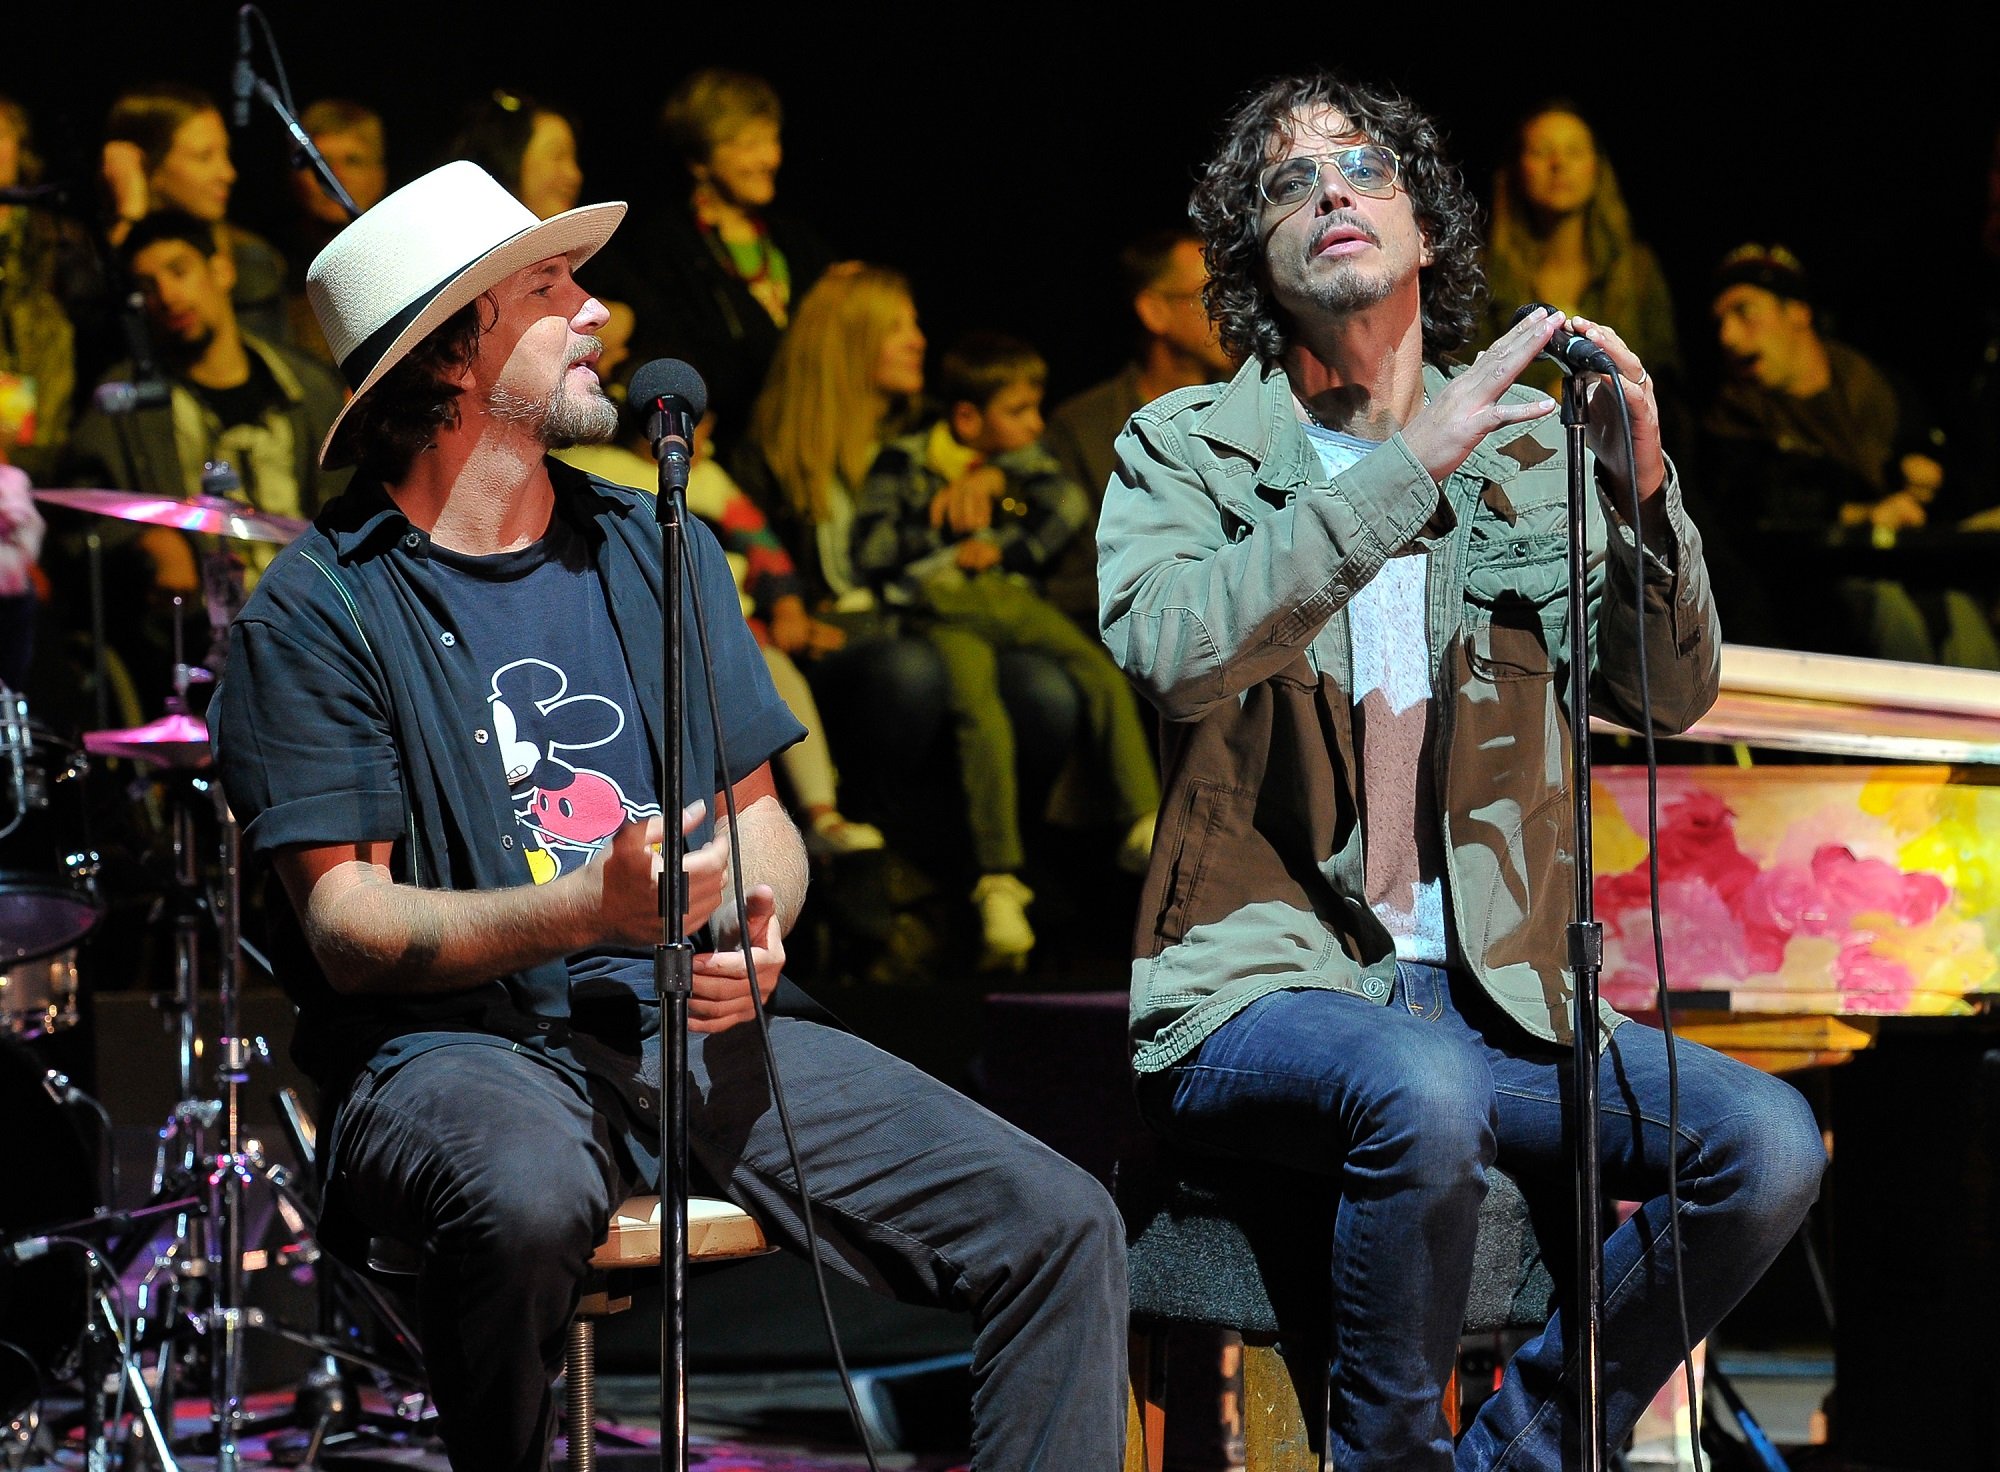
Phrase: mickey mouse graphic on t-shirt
{"type": "Point", "coordinates": [570, 811]}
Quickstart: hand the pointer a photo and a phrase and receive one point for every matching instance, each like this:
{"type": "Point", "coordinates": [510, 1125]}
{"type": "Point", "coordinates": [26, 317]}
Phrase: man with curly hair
{"type": "Point", "coordinates": [1341, 578]}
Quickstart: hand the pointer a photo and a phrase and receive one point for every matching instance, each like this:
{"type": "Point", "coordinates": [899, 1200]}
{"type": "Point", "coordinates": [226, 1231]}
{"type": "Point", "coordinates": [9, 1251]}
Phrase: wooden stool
{"type": "Point", "coordinates": [1238, 1246]}
{"type": "Point", "coordinates": [718, 1231]}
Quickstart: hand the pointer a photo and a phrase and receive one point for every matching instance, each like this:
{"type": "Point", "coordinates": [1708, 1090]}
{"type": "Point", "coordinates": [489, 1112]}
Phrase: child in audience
{"type": "Point", "coordinates": [954, 524]}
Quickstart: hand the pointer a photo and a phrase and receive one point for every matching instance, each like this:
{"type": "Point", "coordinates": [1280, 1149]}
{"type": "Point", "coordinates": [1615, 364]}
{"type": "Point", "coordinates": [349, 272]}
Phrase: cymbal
{"type": "Point", "coordinates": [213, 514]}
{"type": "Point", "coordinates": [178, 741]}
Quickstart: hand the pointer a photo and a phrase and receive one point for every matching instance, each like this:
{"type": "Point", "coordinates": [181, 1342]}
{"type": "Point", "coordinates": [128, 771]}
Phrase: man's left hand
{"type": "Point", "coordinates": [1603, 435]}
{"type": "Point", "coordinates": [721, 988]}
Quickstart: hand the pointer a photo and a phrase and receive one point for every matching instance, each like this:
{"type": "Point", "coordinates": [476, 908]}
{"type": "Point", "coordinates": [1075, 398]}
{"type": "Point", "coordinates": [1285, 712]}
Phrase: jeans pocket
{"type": "Point", "coordinates": [1421, 989]}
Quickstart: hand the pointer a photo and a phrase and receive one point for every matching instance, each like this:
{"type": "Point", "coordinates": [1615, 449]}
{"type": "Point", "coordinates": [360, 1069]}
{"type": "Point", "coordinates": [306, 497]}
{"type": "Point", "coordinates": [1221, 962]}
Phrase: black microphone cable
{"type": "Point", "coordinates": [762, 1016]}
{"type": "Point", "coordinates": [1653, 892]}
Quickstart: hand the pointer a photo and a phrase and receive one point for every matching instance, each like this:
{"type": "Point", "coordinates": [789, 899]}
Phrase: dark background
{"type": "Point", "coordinates": [1001, 153]}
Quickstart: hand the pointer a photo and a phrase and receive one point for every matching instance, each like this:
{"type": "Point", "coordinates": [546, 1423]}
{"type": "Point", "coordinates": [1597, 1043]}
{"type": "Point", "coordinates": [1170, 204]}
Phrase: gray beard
{"type": "Point", "coordinates": [1346, 291]}
{"type": "Point", "coordinates": [561, 419]}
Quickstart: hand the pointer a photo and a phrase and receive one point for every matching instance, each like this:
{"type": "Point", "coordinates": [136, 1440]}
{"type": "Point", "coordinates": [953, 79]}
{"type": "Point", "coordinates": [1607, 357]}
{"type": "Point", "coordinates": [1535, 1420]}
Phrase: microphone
{"type": "Point", "coordinates": [673, 398]}
{"type": "Point", "coordinates": [1570, 351]}
{"type": "Point", "coordinates": [118, 397]}
{"type": "Point", "coordinates": [245, 75]}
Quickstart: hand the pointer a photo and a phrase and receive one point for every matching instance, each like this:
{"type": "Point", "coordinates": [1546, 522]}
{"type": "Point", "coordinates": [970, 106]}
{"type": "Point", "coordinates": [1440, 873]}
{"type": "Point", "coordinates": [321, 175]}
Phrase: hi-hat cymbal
{"type": "Point", "coordinates": [177, 741]}
{"type": "Point", "coordinates": [213, 514]}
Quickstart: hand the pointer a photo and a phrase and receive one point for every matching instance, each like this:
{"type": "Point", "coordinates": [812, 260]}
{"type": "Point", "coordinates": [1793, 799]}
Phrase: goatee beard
{"type": "Point", "coordinates": [564, 418]}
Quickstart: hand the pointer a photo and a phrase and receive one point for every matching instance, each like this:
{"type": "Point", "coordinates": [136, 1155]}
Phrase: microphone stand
{"type": "Point", "coordinates": [673, 979]}
{"type": "Point", "coordinates": [247, 81]}
{"type": "Point", "coordinates": [1586, 959]}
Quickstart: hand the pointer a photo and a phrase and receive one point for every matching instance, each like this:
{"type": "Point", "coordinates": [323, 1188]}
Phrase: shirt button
{"type": "Point", "coordinates": [506, 840]}
{"type": "Point", "coordinates": [541, 1027]}
{"type": "Point", "coordinates": [413, 541]}
{"type": "Point", "coordinates": [448, 639]}
{"type": "Point", "coordinates": [479, 738]}
{"type": "Point", "coordinates": [644, 1102]}
{"type": "Point", "coordinates": [1375, 987]}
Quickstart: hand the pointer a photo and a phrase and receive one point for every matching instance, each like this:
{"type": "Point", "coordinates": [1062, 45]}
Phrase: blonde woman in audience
{"type": "Point", "coordinates": [1561, 234]}
{"type": "Point", "coordinates": [842, 384]}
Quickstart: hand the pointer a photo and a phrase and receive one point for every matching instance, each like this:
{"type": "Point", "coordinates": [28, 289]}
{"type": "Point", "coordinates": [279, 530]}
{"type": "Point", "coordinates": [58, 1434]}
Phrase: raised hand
{"type": "Point", "coordinates": [1603, 434]}
{"type": "Point", "coordinates": [1468, 408]}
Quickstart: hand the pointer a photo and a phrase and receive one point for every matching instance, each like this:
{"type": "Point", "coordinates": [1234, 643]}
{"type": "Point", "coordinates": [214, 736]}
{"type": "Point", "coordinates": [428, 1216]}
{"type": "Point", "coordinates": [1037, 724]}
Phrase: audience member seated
{"type": "Point", "coordinates": [1806, 436]}
{"type": "Point", "coordinates": [1162, 276]}
{"type": "Point", "coordinates": [1561, 234]}
{"type": "Point", "coordinates": [37, 340]}
{"type": "Point", "coordinates": [233, 396]}
{"type": "Point", "coordinates": [528, 146]}
{"type": "Point", "coordinates": [841, 385]}
{"type": "Point", "coordinates": [953, 524]}
{"type": "Point", "coordinates": [714, 275]}
{"type": "Point", "coordinates": [166, 147]}
{"type": "Point", "coordinates": [773, 606]}
{"type": "Point", "coordinates": [350, 138]}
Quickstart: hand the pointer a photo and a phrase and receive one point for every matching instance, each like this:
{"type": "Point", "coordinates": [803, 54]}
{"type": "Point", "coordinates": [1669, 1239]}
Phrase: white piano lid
{"type": "Point", "coordinates": [1839, 705]}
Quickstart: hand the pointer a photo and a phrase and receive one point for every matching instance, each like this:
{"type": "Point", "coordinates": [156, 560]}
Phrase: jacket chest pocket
{"type": "Point", "coordinates": [1516, 587]}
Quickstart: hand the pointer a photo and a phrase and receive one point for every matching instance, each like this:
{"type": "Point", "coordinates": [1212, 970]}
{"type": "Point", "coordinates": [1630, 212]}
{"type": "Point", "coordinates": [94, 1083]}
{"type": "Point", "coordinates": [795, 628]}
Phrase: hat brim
{"type": "Point", "coordinates": [577, 234]}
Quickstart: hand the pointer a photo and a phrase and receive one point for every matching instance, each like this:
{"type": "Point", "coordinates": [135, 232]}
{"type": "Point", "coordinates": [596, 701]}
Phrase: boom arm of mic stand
{"type": "Point", "coordinates": [305, 154]}
{"type": "Point", "coordinates": [1586, 951]}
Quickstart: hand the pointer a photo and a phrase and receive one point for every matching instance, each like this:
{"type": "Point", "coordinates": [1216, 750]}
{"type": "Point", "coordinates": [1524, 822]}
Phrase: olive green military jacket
{"type": "Point", "coordinates": [1226, 558]}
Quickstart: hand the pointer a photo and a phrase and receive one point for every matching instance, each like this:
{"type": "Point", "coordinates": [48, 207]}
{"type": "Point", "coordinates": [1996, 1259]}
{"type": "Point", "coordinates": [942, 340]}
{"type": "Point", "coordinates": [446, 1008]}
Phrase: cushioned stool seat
{"type": "Point", "coordinates": [1248, 1248]}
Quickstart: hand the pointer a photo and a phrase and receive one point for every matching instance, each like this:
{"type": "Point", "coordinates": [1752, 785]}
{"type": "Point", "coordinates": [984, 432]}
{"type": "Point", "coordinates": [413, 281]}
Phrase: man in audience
{"type": "Point", "coordinates": [231, 396]}
{"type": "Point", "coordinates": [349, 136]}
{"type": "Point", "coordinates": [1163, 276]}
{"type": "Point", "coordinates": [1808, 436]}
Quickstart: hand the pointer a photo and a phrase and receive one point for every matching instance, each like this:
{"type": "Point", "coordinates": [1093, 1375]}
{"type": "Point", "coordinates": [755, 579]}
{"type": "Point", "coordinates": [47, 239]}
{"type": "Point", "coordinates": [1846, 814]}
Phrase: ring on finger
{"type": "Point", "coordinates": [1640, 381]}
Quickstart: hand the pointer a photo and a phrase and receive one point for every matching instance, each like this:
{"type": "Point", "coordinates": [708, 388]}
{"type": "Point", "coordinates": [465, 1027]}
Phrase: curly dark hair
{"type": "Point", "coordinates": [1228, 211]}
{"type": "Point", "coordinates": [399, 418]}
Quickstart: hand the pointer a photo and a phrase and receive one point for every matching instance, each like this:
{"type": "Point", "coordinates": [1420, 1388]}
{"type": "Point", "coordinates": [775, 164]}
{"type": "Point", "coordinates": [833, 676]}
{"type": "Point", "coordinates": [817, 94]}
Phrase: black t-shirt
{"type": "Point", "coordinates": [249, 401]}
{"type": "Point", "coordinates": [358, 706]}
{"type": "Point", "coordinates": [561, 711]}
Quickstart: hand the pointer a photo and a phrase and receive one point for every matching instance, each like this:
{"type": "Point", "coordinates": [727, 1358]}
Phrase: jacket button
{"type": "Point", "coordinates": [413, 541]}
{"type": "Point", "coordinates": [448, 639]}
{"type": "Point", "coordinates": [506, 840]}
{"type": "Point", "coordinates": [1375, 987]}
{"type": "Point", "coordinates": [479, 738]}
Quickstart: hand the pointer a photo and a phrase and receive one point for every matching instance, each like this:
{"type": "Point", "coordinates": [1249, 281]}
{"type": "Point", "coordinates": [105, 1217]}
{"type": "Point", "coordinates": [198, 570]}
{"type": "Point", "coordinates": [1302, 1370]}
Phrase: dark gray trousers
{"type": "Point", "coordinates": [501, 1172]}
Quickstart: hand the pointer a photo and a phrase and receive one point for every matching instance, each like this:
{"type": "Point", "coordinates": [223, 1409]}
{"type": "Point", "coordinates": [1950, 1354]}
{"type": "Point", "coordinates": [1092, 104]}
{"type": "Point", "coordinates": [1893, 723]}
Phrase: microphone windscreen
{"type": "Point", "coordinates": [669, 378]}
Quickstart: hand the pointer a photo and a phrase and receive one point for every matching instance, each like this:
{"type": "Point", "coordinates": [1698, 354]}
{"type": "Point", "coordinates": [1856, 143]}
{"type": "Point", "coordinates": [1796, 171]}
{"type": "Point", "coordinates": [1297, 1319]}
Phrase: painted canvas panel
{"type": "Point", "coordinates": [1862, 890]}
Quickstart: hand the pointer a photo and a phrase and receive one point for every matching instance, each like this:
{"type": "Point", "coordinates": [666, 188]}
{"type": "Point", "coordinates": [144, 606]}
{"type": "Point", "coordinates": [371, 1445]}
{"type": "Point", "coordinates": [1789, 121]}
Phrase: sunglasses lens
{"type": "Point", "coordinates": [1371, 170]}
{"type": "Point", "coordinates": [1288, 181]}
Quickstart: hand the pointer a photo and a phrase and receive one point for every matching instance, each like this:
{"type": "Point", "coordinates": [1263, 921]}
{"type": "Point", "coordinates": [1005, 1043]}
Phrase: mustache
{"type": "Point", "coordinates": [586, 347]}
{"type": "Point", "coordinates": [1341, 221]}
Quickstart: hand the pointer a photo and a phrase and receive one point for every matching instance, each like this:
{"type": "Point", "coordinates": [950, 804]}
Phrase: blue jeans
{"type": "Point", "coordinates": [1408, 1104]}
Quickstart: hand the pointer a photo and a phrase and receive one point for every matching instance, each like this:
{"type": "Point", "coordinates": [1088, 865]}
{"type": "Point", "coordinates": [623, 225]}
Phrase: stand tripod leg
{"type": "Point", "coordinates": [135, 1383]}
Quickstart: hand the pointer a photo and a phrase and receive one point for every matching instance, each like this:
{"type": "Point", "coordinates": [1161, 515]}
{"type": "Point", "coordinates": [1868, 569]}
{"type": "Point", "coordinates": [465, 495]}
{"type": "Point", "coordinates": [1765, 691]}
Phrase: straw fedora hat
{"type": "Point", "coordinates": [385, 282]}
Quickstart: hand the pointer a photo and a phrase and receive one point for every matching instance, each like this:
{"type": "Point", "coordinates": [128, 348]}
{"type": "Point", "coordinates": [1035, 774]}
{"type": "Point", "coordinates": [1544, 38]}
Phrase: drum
{"type": "Point", "coordinates": [51, 1178]}
{"type": "Point", "coordinates": [38, 997]}
{"type": "Point", "coordinates": [48, 870]}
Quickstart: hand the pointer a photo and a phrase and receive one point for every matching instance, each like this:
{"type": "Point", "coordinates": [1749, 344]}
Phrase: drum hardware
{"type": "Point", "coordinates": [48, 870]}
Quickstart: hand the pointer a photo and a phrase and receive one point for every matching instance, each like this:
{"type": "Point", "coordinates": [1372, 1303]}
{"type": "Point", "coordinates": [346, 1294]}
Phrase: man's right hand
{"type": "Point", "coordinates": [1468, 408]}
{"type": "Point", "coordinates": [627, 872]}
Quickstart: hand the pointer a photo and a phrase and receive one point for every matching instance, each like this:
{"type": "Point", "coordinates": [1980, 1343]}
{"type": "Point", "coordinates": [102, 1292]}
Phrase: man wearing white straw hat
{"type": "Point", "coordinates": [438, 726]}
